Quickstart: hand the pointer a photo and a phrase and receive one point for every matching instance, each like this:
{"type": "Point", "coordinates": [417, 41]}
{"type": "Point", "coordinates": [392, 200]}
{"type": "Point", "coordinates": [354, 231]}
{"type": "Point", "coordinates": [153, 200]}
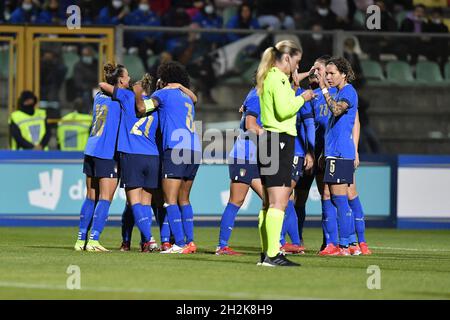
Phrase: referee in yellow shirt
{"type": "Point", "coordinates": [279, 107]}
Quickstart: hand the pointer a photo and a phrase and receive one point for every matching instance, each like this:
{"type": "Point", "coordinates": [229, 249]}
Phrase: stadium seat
{"type": "Point", "coordinates": [399, 72]}
{"type": "Point", "coordinates": [228, 13]}
{"type": "Point", "coordinates": [134, 66]}
{"type": "Point", "coordinates": [428, 72]}
{"type": "Point", "coordinates": [70, 59]}
{"type": "Point", "coordinates": [372, 70]}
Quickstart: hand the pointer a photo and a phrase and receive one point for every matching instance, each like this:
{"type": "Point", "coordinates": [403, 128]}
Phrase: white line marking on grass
{"type": "Point", "coordinates": [410, 249]}
{"type": "Point", "coordinates": [206, 293]}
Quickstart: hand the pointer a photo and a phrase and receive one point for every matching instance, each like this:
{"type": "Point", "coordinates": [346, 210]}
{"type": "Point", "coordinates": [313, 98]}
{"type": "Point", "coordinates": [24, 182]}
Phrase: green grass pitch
{"type": "Point", "coordinates": [34, 261]}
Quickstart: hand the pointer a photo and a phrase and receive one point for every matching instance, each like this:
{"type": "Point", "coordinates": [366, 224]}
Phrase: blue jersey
{"type": "Point", "coordinates": [176, 114]}
{"type": "Point", "coordinates": [244, 148]}
{"type": "Point", "coordinates": [321, 115]}
{"type": "Point", "coordinates": [137, 135]}
{"type": "Point", "coordinates": [105, 126]}
{"type": "Point", "coordinates": [305, 112]}
{"type": "Point", "coordinates": [338, 136]}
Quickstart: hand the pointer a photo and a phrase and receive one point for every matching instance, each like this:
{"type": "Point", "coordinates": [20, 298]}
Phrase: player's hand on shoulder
{"type": "Point", "coordinates": [307, 95]}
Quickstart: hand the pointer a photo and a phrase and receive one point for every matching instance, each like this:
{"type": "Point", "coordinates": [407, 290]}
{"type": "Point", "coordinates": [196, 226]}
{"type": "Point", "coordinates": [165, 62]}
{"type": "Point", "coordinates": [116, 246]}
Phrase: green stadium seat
{"type": "Point", "coordinates": [447, 71]}
{"type": "Point", "coordinates": [249, 74]}
{"type": "Point", "coordinates": [70, 59]}
{"type": "Point", "coordinates": [134, 66]}
{"type": "Point", "coordinates": [372, 70]}
{"type": "Point", "coordinates": [399, 72]}
{"type": "Point", "coordinates": [428, 72]}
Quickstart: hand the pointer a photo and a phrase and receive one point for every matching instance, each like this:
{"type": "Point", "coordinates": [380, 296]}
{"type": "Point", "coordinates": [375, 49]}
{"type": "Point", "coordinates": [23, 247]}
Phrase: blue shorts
{"type": "Point", "coordinates": [100, 168]}
{"type": "Point", "coordinates": [339, 171]}
{"type": "Point", "coordinates": [183, 164]}
{"type": "Point", "coordinates": [139, 171]}
{"type": "Point", "coordinates": [242, 172]}
{"type": "Point", "coordinates": [297, 168]}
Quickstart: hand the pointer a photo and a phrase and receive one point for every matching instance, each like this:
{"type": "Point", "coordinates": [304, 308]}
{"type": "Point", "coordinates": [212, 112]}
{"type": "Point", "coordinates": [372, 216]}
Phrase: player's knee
{"type": "Point", "coordinates": [351, 193]}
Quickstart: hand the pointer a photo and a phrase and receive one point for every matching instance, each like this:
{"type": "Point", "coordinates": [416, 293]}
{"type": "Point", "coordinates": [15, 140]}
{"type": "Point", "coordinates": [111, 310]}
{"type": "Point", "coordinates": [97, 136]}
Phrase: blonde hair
{"type": "Point", "coordinates": [270, 56]}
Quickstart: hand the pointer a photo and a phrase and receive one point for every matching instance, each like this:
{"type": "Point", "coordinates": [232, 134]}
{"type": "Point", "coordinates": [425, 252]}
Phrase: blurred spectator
{"type": "Point", "coordinates": [177, 43]}
{"type": "Point", "coordinates": [114, 13]}
{"type": "Point", "coordinates": [324, 16]}
{"type": "Point", "coordinates": [52, 76]}
{"type": "Point", "coordinates": [2, 12]}
{"type": "Point", "coordinates": [439, 45]}
{"type": "Point", "coordinates": [160, 6]}
{"type": "Point", "coordinates": [164, 57]}
{"type": "Point", "coordinates": [344, 11]}
{"type": "Point", "coordinates": [414, 22]}
{"type": "Point", "coordinates": [29, 129]}
{"type": "Point", "coordinates": [51, 13]}
{"type": "Point", "coordinates": [353, 58]}
{"type": "Point", "coordinates": [314, 46]}
{"type": "Point", "coordinates": [27, 12]}
{"type": "Point", "coordinates": [242, 20]}
{"type": "Point", "coordinates": [195, 7]}
{"type": "Point", "coordinates": [378, 45]}
{"type": "Point", "coordinates": [90, 10]}
{"type": "Point", "coordinates": [85, 77]}
{"type": "Point", "coordinates": [144, 16]}
{"type": "Point", "coordinates": [275, 14]}
{"type": "Point", "coordinates": [207, 18]}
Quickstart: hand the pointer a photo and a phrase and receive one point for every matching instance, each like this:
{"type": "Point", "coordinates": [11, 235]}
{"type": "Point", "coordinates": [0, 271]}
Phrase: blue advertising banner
{"type": "Point", "coordinates": [55, 186]}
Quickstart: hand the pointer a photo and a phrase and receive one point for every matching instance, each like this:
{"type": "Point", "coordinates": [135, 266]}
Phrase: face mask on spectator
{"type": "Point", "coordinates": [144, 7]}
{"type": "Point", "coordinates": [209, 9]}
{"type": "Point", "coordinates": [117, 4]}
{"type": "Point", "coordinates": [27, 6]}
{"type": "Point", "coordinates": [322, 11]}
{"type": "Point", "coordinates": [317, 36]}
{"type": "Point", "coordinates": [87, 59]}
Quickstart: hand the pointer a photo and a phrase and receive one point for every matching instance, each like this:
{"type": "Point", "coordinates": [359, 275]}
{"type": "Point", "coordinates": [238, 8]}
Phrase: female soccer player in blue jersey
{"type": "Point", "coordinates": [100, 162]}
{"type": "Point", "coordinates": [182, 154]}
{"type": "Point", "coordinates": [243, 169]}
{"type": "Point", "coordinates": [339, 146]}
{"type": "Point", "coordinates": [139, 156]}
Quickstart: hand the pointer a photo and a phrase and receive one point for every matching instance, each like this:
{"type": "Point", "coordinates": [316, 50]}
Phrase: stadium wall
{"type": "Point", "coordinates": [47, 189]}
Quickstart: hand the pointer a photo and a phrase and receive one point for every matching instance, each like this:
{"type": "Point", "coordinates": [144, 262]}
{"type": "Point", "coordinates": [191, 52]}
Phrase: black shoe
{"type": "Point", "coordinates": [279, 260]}
{"type": "Point", "coordinates": [261, 260]}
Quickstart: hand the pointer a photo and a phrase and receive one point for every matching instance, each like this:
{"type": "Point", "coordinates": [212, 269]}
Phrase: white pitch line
{"type": "Point", "coordinates": [232, 295]}
{"type": "Point", "coordinates": [410, 249]}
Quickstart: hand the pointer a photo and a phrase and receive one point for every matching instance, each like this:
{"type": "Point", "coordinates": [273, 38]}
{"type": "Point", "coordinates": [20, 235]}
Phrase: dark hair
{"type": "Point", "coordinates": [113, 72]}
{"type": "Point", "coordinates": [343, 66]}
{"type": "Point", "coordinates": [323, 59]}
{"type": "Point", "coordinates": [173, 71]}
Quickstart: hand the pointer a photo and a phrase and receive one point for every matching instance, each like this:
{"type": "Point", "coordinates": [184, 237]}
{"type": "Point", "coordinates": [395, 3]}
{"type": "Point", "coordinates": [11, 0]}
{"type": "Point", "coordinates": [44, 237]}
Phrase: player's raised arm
{"type": "Point", "coordinates": [184, 89]}
{"type": "Point", "coordinates": [106, 87]}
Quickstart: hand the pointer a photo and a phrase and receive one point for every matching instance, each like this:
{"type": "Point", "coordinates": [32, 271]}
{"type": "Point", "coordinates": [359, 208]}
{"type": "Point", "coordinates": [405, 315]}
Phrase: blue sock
{"type": "Point", "coordinates": [175, 223]}
{"type": "Point", "coordinates": [330, 221]}
{"type": "Point", "coordinates": [325, 235]}
{"type": "Point", "coordinates": [358, 213]}
{"type": "Point", "coordinates": [164, 228]}
{"type": "Point", "coordinates": [227, 224]}
{"type": "Point", "coordinates": [284, 230]}
{"type": "Point", "coordinates": [142, 220]}
{"type": "Point", "coordinates": [86, 214]}
{"type": "Point", "coordinates": [352, 239]}
{"type": "Point", "coordinates": [293, 223]}
{"type": "Point", "coordinates": [149, 213]}
{"type": "Point", "coordinates": [100, 216]}
{"type": "Point", "coordinates": [187, 215]}
{"type": "Point", "coordinates": [344, 214]}
{"type": "Point", "coordinates": [127, 223]}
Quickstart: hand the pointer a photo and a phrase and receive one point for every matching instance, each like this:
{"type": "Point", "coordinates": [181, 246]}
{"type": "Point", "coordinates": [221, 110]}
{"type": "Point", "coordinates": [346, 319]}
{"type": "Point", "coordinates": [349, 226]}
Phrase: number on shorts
{"type": "Point", "coordinates": [101, 111]}
{"type": "Point", "coordinates": [295, 160]}
{"type": "Point", "coordinates": [136, 131]}
{"type": "Point", "coordinates": [332, 166]}
{"type": "Point", "coordinates": [189, 120]}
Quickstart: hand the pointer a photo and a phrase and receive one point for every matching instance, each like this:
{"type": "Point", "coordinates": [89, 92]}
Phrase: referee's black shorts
{"type": "Point", "coordinates": [275, 156]}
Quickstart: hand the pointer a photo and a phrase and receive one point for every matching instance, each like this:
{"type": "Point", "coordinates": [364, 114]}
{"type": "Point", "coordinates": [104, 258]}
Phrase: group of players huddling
{"type": "Point", "coordinates": [146, 140]}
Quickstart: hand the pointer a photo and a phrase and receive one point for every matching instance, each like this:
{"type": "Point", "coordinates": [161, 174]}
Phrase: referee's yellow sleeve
{"type": "Point", "coordinates": [286, 102]}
